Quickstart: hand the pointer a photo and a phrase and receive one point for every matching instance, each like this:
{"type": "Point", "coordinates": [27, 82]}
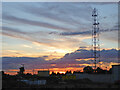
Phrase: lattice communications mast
{"type": "Point", "coordinates": [95, 38]}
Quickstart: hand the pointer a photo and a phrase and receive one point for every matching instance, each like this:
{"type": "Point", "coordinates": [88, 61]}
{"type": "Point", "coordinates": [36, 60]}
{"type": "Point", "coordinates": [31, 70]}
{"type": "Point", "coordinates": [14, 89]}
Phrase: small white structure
{"type": "Point", "coordinates": [43, 73]}
{"type": "Point", "coordinates": [35, 82]}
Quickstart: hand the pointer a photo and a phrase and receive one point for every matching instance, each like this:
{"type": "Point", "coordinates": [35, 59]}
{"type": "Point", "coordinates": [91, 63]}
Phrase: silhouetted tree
{"type": "Point", "coordinates": [99, 70]}
{"type": "Point", "coordinates": [88, 69]}
{"type": "Point", "coordinates": [68, 72]}
{"type": "Point", "coordinates": [29, 74]}
{"type": "Point", "coordinates": [58, 73]}
{"type": "Point", "coordinates": [53, 73]}
{"type": "Point", "coordinates": [77, 72]}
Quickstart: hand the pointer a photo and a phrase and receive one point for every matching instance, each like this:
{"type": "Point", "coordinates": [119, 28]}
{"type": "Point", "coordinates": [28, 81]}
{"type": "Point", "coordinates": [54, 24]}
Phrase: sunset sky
{"type": "Point", "coordinates": [48, 31]}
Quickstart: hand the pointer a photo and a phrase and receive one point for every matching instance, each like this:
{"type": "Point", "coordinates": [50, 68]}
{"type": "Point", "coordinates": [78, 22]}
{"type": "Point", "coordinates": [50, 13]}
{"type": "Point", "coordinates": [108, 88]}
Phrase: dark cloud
{"type": "Point", "coordinates": [75, 33]}
{"type": "Point", "coordinates": [45, 56]}
{"type": "Point", "coordinates": [29, 62]}
{"type": "Point", "coordinates": [82, 32]}
{"type": "Point", "coordinates": [83, 47]}
{"type": "Point", "coordinates": [85, 32]}
{"type": "Point", "coordinates": [107, 56]}
{"type": "Point", "coordinates": [31, 22]}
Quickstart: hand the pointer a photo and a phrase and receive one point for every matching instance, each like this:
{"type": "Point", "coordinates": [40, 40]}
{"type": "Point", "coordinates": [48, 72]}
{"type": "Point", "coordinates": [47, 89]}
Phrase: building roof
{"type": "Point", "coordinates": [44, 71]}
{"type": "Point", "coordinates": [116, 65]}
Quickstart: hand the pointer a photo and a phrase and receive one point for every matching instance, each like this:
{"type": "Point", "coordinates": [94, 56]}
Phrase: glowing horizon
{"type": "Point", "coordinates": [55, 70]}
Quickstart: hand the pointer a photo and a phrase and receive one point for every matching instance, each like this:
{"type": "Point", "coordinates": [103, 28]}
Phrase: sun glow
{"type": "Point", "coordinates": [86, 59]}
{"type": "Point", "coordinates": [62, 72]}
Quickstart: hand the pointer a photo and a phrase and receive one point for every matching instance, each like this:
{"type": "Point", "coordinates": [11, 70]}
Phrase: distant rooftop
{"type": "Point", "coordinates": [116, 65]}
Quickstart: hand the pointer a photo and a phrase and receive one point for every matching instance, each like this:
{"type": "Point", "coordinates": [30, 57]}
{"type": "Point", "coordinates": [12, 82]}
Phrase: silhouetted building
{"type": "Point", "coordinates": [43, 73]}
{"type": "Point", "coordinates": [102, 76]}
{"type": "Point", "coordinates": [116, 72]}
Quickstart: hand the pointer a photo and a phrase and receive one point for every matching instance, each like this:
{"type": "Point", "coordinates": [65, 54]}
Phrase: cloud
{"type": "Point", "coordinates": [13, 30]}
{"type": "Point", "coordinates": [110, 35]}
{"type": "Point", "coordinates": [105, 56]}
{"type": "Point", "coordinates": [108, 57]}
{"type": "Point", "coordinates": [32, 22]}
{"type": "Point", "coordinates": [75, 33]}
{"type": "Point", "coordinates": [27, 46]}
{"type": "Point", "coordinates": [38, 38]}
{"type": "Point", "coordinates": [89, 32]}
{"type": "Point", "coordinates": [29, 62]}
{"type": "Point", "coordinates": [62, 12]}
{"type": "Point", "coordinates": [17, 33]}
{"type": "Point", "coordinates": [67, 19]}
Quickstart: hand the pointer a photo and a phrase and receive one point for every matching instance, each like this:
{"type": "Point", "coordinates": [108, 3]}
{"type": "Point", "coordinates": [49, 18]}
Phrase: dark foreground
{"type": "Point", "coordinates": [66, 84]}
{"type": "Point", "coordinates": [15, 82]}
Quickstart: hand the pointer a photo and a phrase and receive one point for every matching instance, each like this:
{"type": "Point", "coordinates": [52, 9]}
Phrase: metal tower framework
{"type": "Point", "coordinates": [95, 38]}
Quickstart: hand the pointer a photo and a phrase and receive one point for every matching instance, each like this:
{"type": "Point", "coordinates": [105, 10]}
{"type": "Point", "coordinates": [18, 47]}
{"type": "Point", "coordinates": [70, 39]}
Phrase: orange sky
{"type": "Point", "coordinates": [35, 71]}
{"type": "Point", "coordinates": [55, 70]}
